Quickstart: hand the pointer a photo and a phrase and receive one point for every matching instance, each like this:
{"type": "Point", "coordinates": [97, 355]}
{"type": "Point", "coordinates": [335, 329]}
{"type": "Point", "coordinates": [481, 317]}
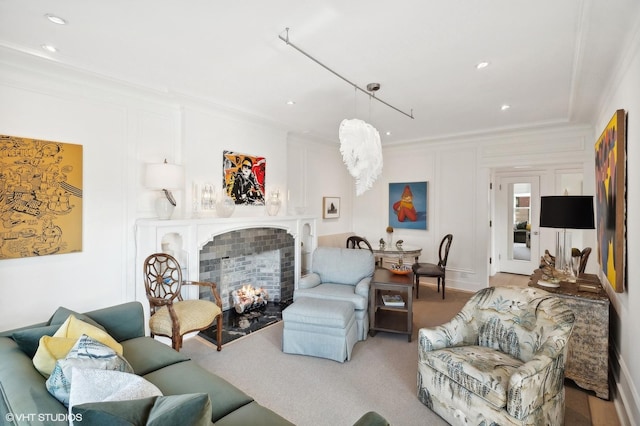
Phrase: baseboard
{"type": "Point", "coordinates": [625, 394]}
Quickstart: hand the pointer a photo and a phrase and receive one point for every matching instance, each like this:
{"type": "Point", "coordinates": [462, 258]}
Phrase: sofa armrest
{"type": "Point", "coordinates": [532, 384]}
{"type": "Point", "coordinates": [362, 288]}
{"type": "Point", "coordinates": [542, 377]}
{"type": "Point", "coordinates": [309, 281]}
{"type": "Point", "coordinates": [459, 331]}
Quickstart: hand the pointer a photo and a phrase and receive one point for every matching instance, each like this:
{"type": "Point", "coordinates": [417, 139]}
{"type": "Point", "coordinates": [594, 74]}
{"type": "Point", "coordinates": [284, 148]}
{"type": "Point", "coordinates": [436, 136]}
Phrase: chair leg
{"type": "Point", "coordinates": [219, 333]}
{"type": "Point", "coordinates": [417, 280]}
{"type": "Point", "coordinates": [443, 288]}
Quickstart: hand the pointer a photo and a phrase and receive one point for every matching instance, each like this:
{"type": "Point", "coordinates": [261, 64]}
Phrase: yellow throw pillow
{"type": "Point", "coordinates": [74, 328]}
{"type": "Point", "coordinates": [57, 347]}
{"type": "Point", "coordinates": [49, 351]}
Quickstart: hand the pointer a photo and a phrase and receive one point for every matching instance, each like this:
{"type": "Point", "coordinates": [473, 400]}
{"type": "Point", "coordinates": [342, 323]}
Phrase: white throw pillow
{"type": "Point", "coordinates": [86, 353]}
{"type": "Point", "coordinates": [91, 385]}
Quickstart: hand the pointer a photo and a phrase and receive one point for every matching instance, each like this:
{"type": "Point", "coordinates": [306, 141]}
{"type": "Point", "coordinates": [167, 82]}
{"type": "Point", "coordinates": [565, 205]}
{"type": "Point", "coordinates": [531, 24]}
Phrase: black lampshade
{"type": "Point", "coordinates": [567, 211]}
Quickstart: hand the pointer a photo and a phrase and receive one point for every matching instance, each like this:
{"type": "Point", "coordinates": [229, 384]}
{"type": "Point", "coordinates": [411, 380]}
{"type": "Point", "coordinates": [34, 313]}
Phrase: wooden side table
{"type": "Point", "coordinates": [389, 318]}
{"type": "Point", "coordinates": [587, 362]}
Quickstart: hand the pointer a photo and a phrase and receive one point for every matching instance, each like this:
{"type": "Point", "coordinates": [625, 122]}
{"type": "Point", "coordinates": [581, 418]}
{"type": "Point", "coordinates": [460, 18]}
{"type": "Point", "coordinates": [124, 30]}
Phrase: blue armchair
{"type": "Point", "coordinates": [341, 274]}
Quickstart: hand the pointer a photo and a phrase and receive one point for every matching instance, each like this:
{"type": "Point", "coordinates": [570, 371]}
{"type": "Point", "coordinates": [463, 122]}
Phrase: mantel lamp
{"type": "Point", "coordinates": [164, 177]}
{"type": "Point", "coordinates": [566, 212]}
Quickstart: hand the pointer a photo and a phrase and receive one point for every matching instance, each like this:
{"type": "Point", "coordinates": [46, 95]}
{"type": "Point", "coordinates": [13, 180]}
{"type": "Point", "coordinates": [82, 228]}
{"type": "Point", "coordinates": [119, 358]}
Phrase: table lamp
{"type": "Point", "coordinates": [164, 177]}
{"type": "Point", "coordinates": [566, 212]}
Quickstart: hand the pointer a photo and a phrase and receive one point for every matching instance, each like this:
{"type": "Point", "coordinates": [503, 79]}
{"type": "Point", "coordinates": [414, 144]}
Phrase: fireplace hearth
{"type": "Point", "coordinates": [237, 325]}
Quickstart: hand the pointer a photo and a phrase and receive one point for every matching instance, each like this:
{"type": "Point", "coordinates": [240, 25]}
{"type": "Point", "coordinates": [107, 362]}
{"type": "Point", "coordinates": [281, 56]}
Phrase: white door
{"type": "Point", "coordinates": [516, 229]}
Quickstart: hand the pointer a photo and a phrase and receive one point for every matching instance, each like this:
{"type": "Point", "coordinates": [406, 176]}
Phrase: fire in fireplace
{"type": "Point", "coordinates": [248, 298]}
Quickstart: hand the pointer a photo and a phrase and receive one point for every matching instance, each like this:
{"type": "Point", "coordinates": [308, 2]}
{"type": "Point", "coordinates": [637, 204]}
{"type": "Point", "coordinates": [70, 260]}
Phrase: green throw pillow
{"type": "Point", "coordinates": [188, 409]}
{"type": "Point", "coordinates": [61, 314]}
{"type": "Point", "coordinates": [29, 339]}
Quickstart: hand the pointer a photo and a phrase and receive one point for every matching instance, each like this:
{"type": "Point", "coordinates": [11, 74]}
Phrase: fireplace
{"type": "Point", "coordinates": [230, 251]}
{"type": "Point", "coordinates": [260, 257]}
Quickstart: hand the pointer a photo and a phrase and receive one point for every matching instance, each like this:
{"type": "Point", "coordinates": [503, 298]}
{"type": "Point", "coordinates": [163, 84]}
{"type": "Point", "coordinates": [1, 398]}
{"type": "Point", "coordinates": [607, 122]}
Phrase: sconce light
{"type": "Point", "coordinates": [164, 177]}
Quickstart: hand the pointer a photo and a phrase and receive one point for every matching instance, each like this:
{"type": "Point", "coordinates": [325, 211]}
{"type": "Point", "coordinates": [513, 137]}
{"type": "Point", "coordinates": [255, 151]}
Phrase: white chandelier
{"type": "Point", "coordinates": [359, 141]}
{"type": "Point", "coordinates": [361, 152]}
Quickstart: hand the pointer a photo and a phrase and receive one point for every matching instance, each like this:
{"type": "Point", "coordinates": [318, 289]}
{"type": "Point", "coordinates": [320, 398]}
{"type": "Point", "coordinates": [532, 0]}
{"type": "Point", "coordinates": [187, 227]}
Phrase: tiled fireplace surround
{"type": "Point", "coordinates": [261, 257]}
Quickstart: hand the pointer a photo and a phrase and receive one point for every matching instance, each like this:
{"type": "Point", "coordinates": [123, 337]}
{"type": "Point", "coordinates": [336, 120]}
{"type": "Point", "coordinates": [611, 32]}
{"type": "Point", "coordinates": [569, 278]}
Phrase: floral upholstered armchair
{"type": "Point", "coordinates": [500, 360]}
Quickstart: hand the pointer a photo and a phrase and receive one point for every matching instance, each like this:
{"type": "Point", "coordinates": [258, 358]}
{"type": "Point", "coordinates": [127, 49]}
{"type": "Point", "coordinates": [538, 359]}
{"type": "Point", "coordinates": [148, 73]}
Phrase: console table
{"type": "Point", "coordinates": [587, 362]}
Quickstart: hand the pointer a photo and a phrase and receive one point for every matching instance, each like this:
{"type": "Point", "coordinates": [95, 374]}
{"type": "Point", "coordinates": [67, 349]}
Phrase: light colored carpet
{"type": "Point", "coordinates": [380, 376]}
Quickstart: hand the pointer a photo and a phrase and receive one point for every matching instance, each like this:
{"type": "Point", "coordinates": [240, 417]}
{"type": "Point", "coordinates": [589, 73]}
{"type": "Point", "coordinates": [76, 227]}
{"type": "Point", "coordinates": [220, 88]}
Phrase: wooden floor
{"type": "Point", "coordinates": [603, 413]}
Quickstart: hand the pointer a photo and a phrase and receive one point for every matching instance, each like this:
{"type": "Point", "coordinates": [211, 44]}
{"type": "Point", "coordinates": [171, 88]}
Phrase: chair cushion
{"type": "Point", "coordinates": [193, 315]}
{"type": "Point", "coordinates": [481, 370]}
{"type": "Point", "coordinates": [335, 292]}
{"type": "Point", "coordinates": [146, 355]}
{"type": "Point", "coordinates": [427, 269]}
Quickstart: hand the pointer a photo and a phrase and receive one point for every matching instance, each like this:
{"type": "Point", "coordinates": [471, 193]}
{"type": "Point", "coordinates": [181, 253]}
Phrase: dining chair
{"type": "Point", "coordinates": [171, 316]}
{"type": "Point", "coordinates": [437, 270]}
{"type": "Point", "coordinates": [355, 242]}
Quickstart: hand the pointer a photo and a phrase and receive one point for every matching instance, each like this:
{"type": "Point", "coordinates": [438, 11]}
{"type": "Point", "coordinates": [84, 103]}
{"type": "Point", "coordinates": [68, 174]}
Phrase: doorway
{"type": "Point", "coordinates": [517, 214]}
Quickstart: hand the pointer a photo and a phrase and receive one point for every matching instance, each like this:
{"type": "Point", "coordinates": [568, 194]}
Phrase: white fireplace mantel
{"type": "Point", "coordinates": [196, 233]}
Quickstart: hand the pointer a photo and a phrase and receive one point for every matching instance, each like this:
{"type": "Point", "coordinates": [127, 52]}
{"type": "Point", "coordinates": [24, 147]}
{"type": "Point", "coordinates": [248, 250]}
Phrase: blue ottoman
{"type": "Point", "coordinates": [320, 328]}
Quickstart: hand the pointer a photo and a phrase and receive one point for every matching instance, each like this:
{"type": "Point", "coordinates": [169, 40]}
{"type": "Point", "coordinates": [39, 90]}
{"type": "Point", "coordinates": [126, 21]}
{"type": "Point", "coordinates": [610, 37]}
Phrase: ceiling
{"type": "Point", "coordinates": [550, 60]}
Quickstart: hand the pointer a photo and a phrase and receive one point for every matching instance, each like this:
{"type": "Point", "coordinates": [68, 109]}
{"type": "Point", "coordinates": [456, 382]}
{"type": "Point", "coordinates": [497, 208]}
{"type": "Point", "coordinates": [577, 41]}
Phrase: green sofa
{"type": "Point", "coordinates": [24, 398]}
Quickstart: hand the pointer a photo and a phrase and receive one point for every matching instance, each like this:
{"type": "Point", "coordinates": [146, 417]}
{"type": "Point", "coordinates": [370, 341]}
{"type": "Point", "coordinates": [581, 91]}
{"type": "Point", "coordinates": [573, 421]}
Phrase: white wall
{"type": "Point", "coordinates": [315, 171]}
{"type": "Point", "coordinates": [63, 109]}
{"type": "Point", "coordinates": [121, 129]}
{"type": "Point", "coordinates": [624, 93]}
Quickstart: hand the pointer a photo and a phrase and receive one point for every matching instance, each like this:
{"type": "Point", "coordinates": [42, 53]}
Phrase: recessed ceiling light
{"type": "Point", "coordinates": [49, 48]}
{"type": "Point", "coordinates": [505, 107]}
{"type": "Point", "coordinates": [291, 102]}
{"type": "Point", "coordinates": [388, 133]}
{"type": "Point", "coordinates": [55, 19]}
{"type": "Point", "coordinates": [481, 65]}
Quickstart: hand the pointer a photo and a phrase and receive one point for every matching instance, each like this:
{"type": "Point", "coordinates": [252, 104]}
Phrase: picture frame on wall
{"type": "Point", "coordinates": [42, 197]}
{"type": "Point", "coordinates": [610, 161]}
{"type": "Point", "coordinates": [330, 207]}
{"type": "Point", "coordinates": [408, 205]}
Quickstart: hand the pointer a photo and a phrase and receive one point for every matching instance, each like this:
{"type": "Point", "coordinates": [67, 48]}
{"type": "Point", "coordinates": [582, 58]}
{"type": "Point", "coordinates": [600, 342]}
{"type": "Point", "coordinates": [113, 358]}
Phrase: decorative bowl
{"type": "Point", "coordinates": [400, 269]}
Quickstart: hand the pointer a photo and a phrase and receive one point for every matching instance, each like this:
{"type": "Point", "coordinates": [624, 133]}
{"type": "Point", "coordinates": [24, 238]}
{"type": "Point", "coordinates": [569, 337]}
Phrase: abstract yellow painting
{"type": "Point", "coordinates": [40, 197]}
{"type": "Point", "coordinates": [611, 201]}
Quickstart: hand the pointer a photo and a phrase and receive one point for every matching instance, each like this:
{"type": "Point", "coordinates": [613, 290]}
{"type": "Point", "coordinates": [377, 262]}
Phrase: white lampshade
{"type": "Point", "coordinates": [164, 176]}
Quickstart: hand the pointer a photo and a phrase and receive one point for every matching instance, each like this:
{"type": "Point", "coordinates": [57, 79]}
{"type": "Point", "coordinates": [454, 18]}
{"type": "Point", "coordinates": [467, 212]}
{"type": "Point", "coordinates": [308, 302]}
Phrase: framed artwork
{"type": "Point", "coordinates": [244, 177]}
{"type": "Point", "coordinates": [41, 194]}
{"type": "Point", "coordinates": [611, 201]}
{"type": "Point", "coordinates": [330, 207]}
{"type": "Point", "coordinates": [408, 205]}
